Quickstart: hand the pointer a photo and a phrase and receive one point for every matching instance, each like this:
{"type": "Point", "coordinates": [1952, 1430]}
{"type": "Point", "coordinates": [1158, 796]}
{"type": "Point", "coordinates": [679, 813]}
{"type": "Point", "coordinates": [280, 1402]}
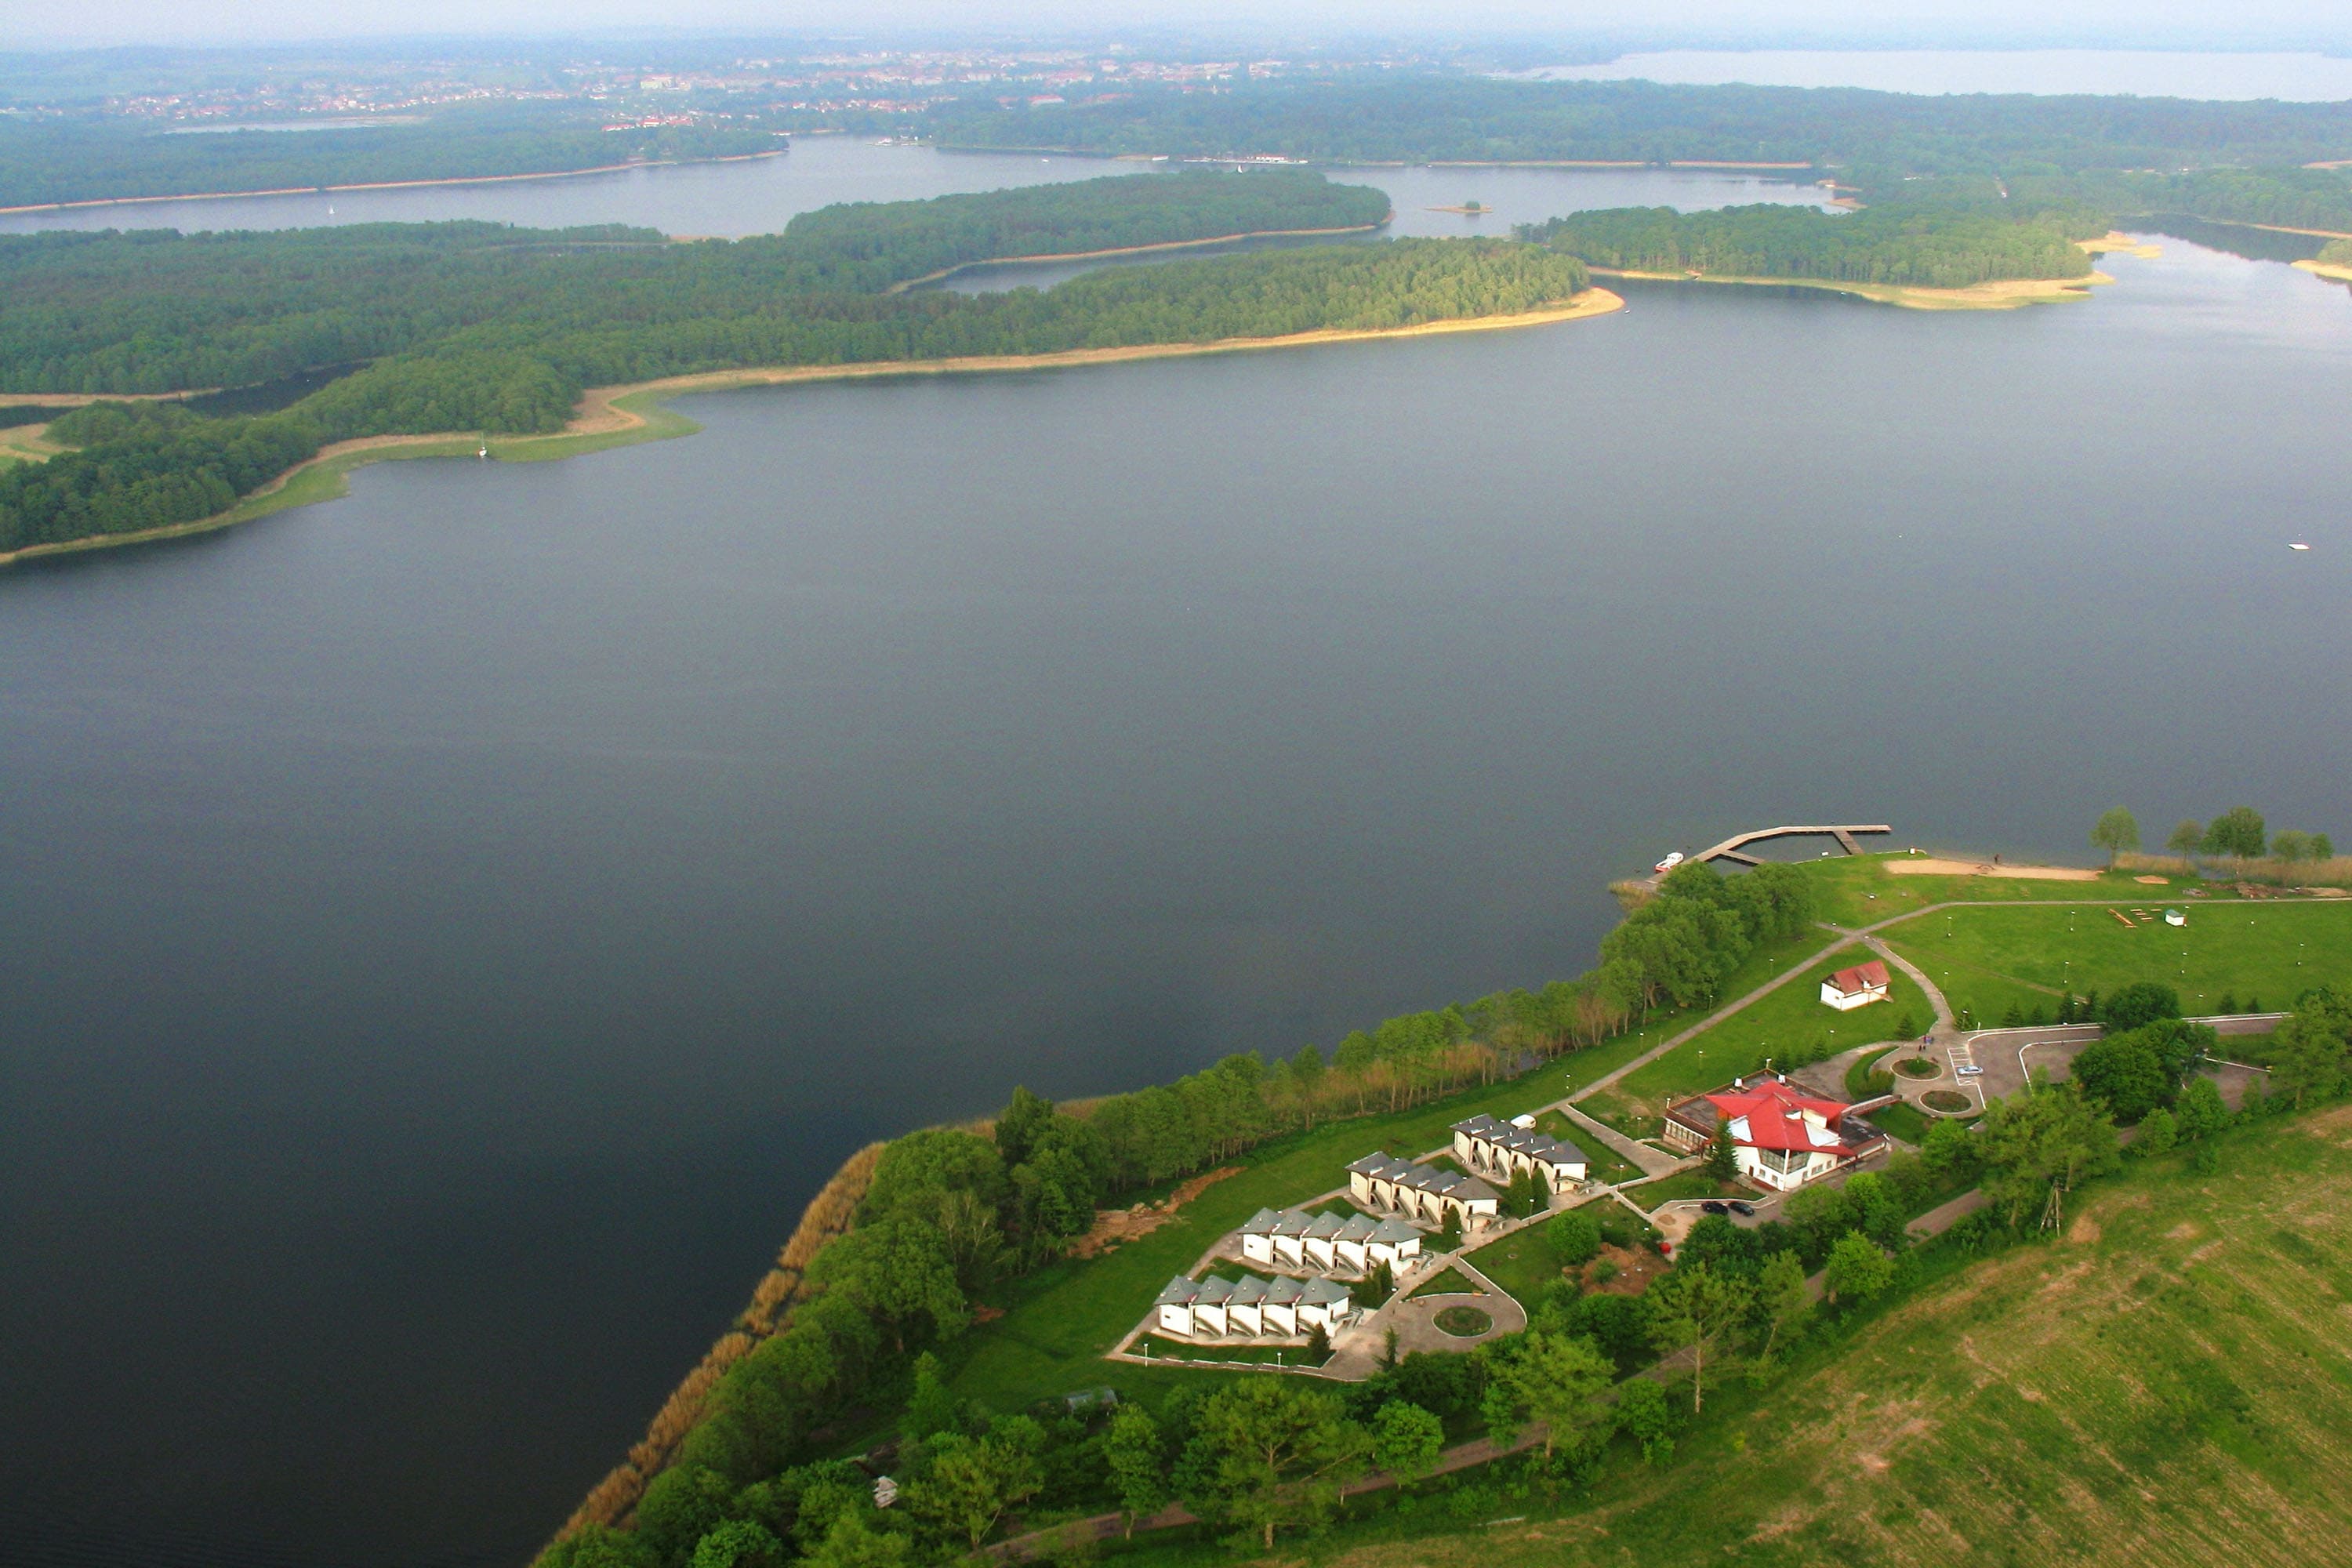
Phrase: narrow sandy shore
{"type": "Point", "coordinates": [1162, 248]}
{"type": "Point", "coordinates": [2007, 294]}
{"type": "Point", "coordinates": [619, 415]}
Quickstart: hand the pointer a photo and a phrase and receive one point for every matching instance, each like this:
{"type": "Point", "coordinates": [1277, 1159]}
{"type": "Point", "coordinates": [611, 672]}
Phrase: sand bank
{"type": "Point", "coordinates": [2120, 243]}
{"type": "Point", "coordinates": [2322, 270]}
{"type": "Point", "coordinates": [1902, 868]}
{"type": "Point", "coordinates": [2009, 294]}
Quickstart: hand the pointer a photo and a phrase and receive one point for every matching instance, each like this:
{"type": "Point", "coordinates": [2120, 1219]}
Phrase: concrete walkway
{"type": "Point", "coordinates": [1652, 1161]}
{"type": "Point", "coordinates": [1609, 1080]}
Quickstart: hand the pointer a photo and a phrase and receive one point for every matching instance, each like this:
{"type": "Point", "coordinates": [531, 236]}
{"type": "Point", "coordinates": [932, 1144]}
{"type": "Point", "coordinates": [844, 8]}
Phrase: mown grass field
{"type": "Point", "coordinates": [1773, 1026]}
{"type": "Point", "coordinates": [2168, 1385]}
{"type": "Point", "coordinates": [1989, 960]}
{"type": "Point", "coordinates": [1521, 1263]}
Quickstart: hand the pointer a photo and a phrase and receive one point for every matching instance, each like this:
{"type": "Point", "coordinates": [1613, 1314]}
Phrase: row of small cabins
{"type": "Point", "coordinates": [1353, 1244]}
{"type": "Point", "coordinates": [1254, 1307]}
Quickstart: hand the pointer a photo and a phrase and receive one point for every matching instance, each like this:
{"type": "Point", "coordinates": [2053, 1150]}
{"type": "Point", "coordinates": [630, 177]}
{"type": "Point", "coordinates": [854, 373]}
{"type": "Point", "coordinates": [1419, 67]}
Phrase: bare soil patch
{"type": "Point", "coordinates": [1636, 1267]}
{"type": "Point", "coordinates": [1112, 1226]}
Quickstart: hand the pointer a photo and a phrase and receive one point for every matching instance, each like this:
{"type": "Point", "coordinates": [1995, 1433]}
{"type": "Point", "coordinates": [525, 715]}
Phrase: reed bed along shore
{"type": "Point", "coordinates": [2333, 872]}
{"type": "Point", "coordinates": [829, 1214]}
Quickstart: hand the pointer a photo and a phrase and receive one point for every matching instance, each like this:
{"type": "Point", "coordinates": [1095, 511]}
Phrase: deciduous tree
{"type": "Point", "coordinates": [1698, 1311]}
{"type": "Point", "coordinates": [2117, 832]}
{"type": "Point", "coordinates": [1269, 1452]}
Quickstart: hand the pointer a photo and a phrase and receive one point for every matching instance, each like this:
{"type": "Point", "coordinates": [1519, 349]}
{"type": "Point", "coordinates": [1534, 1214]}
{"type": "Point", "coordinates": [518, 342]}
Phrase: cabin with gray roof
{"type": "Point", "coordinates": [1503, 1151]}
{"type": "Point", "coordinates": [1423, 1193]}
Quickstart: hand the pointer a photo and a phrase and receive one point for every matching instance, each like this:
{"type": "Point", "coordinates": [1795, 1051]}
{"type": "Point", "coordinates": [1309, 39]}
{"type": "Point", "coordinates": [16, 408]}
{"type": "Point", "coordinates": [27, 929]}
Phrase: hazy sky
{"type": "Point", "coordinates": [2276, 23]}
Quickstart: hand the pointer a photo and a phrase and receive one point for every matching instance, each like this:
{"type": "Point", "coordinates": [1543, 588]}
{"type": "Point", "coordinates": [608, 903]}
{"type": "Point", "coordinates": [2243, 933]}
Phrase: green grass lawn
{"type": "Point", "coordinates": [1602, 1162]}
{"type": "Point", "coordinates": [1990, 959]}
{"type": "Point", "coordinates": [1163, 1347]}
{"type": "Point", "coordinates": [1792, 1016]}
{"type": "Point", "coordinates": [1520, 1263]}
{"type": "Point", "coordinates": [1692, 1184]}
{"type": "Point", "coordinates": [1448, 1282]}
{"type": "Point", "coordinates": [1858, 889]}
{"type": "Point", "coordinates": [1902, 1120]}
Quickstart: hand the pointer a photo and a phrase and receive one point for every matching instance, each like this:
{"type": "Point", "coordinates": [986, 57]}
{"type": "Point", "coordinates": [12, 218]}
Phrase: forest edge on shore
{"type": "Point", "coordinates": [623, 416]}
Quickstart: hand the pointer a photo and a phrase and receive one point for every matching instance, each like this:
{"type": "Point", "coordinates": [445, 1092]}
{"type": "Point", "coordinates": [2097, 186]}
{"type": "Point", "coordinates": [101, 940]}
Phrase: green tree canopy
{"type": "Point", "coordinates": [2117, 832]}
{"type": "Point", "coordinates": [1267, 1453]}
{"type": "Point", "coordinates": [2236, 832]}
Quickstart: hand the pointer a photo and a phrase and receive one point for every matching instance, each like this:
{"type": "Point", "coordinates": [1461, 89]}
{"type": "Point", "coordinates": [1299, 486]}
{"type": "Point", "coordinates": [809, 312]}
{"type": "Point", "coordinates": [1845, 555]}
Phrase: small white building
{"type": "Point", "coordinates": [1501, 1150]}
{"type": "Point", "coordinates": [1253, 1308]}
{"type": "Point", "coordinates": [1333, 1244]}
{"type": "Point", "coordinates": [1422, 1194]}
{"type": "Point", "coordinates": [1857, 987]}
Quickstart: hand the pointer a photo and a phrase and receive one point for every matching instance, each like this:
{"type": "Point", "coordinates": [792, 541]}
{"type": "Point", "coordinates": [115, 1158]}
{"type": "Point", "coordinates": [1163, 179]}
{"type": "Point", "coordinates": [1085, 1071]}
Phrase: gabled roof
{"type": "Point", "coordinates": [1322, 1292]}
{"type": "Point", "coordinates": [1536, 1145]}
{"type": "Point", "coordinates": [1179, 1292]}
{"type": "Point", "coordinates": [1769, 1114]}
{"type": "Point", "coordinates": [1248, 1291]}
{"type": "Point", "coordinates": [1324, 1226]}
{"type": "Point", "coordinates": [1292, 1222]}
{"type": "Point", "coordinates": [1259, 1223]}
{"type": "Point", "coordinates": [1395, 1231]}
{"type": "Point", "coordinates": [1214, 1292]}
{"type": "Point", "coordinates": [1862, 977]}
{"type": "Point", "coordinates": [1360, 1227]}
{"type": "Point", "coordinates": [1284, 1292]}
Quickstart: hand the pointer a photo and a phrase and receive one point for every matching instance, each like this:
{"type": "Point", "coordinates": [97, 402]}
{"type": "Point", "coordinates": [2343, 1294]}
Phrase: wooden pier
{"type": "Point", "coordinates": [1735, 846]}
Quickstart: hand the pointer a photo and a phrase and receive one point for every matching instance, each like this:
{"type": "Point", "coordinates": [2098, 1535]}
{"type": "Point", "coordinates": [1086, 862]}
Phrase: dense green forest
{"type": "Point", "coordinates": [475, 327]}
{"type": "Point", "coordinates": [79, 160]}
{"type": "Point", "coordinates": [1426, 118]}
{"type": "Point", "coordinates": [155, 311]}
{"type": "Point", "coordinates": [1928, 247]}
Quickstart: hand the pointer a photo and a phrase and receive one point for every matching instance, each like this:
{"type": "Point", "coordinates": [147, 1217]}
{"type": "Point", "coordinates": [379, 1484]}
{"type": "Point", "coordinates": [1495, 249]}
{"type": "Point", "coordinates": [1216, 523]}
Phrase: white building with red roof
{"type": "Point", "coordinates": [1857, 987]}
{"type": "Point", "coordinates": [1782, 1138]}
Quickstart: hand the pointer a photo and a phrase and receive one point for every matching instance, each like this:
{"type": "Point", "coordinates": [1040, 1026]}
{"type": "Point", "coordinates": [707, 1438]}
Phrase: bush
{"type": "Point", "coordinates": [1574, 1237]}
{"type": "Point", "coordinates": [2140, 1004]}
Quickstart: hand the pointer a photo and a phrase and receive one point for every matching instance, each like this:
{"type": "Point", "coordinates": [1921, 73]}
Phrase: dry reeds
{"type": "Point", "coordinates": [2335, 872]}
{"type": "Point", "coordinates": [830, 1214]}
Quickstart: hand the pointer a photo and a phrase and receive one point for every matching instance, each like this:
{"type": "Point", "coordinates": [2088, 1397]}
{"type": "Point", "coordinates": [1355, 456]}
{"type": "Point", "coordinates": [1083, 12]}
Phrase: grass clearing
{"type": "Point", "coordinates": [1447, 1282]}
{"type": "Point", "coordinates": [1521, 1264]}
{"type": "Point", "coordinates": [1683, 1184]}
{"type": "Point", "coordinates": [1603, 1164]}
{"type": "Point", "coordinates": [1990, 959]}
{"type": "Point", "coordinates": [1775, 1027]}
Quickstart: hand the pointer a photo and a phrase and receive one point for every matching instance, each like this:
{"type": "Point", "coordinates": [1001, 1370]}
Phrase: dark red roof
{"type": "Point", "coordinates": [1776, 1115]}
{"type": "Point", "coordinates": [1871, 976]}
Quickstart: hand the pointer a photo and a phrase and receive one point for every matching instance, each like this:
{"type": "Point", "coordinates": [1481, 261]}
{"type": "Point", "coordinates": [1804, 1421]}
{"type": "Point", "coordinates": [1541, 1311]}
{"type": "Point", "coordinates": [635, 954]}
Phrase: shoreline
{"type": "Point", "coordinates": [385, 185]}
{"type": "Point", "coordinates": [2322, 269]}
{"type": "Point", "coordinates": [623, 416]}
{"type": "Point", "coordinates": [2004, 294]}
{"type": "Point", "coordinates": [1153, 249]}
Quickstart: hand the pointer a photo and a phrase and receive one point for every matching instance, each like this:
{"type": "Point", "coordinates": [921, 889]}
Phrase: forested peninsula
{"type": "Point", "coordinates": [62, 164]}
{"type": "Point", "coordinates": [471, 326]}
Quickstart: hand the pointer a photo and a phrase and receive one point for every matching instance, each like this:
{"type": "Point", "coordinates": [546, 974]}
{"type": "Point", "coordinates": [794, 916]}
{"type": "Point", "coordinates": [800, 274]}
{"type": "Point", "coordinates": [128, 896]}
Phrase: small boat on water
{"type": "Point", "coordinates": [1669, 863]}
{"type": "Point", "coordinates": [2298, 545]}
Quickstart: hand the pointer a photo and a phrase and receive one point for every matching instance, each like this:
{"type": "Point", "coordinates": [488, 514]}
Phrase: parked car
{"type": "Point", "coordinates": [1748, 1210]}
{"type": "Point", "coordinates": [1970, 1071]}
{"type": "Point", "coordinates": [1711, 1206]}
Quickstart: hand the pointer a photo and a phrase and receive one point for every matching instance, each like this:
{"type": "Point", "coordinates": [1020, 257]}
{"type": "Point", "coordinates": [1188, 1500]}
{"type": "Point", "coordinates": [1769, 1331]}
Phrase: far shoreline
{"type": "Point", "coordinates": [1161, 247]}
{"type": "Point", "coordinates": [625, 414]}
{"type": "Point", "coordinates": [388, 185]}
{"type": "Point", "coordinates": [2003, 294]}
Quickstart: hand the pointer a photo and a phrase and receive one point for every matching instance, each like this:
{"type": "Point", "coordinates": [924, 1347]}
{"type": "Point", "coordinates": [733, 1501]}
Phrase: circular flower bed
{"type": "Point", "coordinates": [1946, 1100]}
{"type": "Point", "coordinates": [1463, 1321]}
{"type": "Point", "coordinates": [1918, 1067]}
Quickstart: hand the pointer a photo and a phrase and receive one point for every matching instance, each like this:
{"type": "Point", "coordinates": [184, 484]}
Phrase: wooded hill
{"type": "Point", "coordinates": [1932, 247]}
{"type": "Point", "coordinates": [493, 330]}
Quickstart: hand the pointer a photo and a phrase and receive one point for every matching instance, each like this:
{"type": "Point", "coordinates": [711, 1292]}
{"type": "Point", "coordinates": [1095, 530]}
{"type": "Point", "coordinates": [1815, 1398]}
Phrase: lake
{"type": "Point", "coordinates": [450, 931]}
{"type": "Point", "coordinates": [761, 195]}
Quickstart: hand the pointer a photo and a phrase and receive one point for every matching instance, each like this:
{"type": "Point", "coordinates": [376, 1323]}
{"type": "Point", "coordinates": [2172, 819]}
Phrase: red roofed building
{"type": "Point", "coordinates": [1857, 987]}
{"type": "Point", "coordinates": [1783, 1138]}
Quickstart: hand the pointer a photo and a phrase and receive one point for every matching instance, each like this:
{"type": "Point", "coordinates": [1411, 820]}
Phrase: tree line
{"type": "Point", "coordinates": [1422, 117]}
{"type": "Point", "coordinates": [79, 160]}
{"type": "Point", "coordinates": [156, 311]}
{"type": "Point", "coordinates": [474, 327]}
{"type": "Point", "coordinates": [2239, 834]}
{"type": "Point", "coordinates": [1924, 247]}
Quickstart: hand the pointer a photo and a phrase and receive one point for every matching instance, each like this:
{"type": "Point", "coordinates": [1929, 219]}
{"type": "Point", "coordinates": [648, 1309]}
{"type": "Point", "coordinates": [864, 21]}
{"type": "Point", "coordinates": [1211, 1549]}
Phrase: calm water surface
{"type": "Point", "coordinates": [761, 195]}
{"type": "Point", "coordinates": [449, 933]}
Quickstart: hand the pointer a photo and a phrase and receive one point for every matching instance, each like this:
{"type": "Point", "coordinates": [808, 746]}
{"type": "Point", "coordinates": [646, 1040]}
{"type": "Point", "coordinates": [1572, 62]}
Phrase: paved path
{"type": "Point", "coordinates": [1609, 1080]}
{"type": "Point", "coordinates": [1652, 1161]}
